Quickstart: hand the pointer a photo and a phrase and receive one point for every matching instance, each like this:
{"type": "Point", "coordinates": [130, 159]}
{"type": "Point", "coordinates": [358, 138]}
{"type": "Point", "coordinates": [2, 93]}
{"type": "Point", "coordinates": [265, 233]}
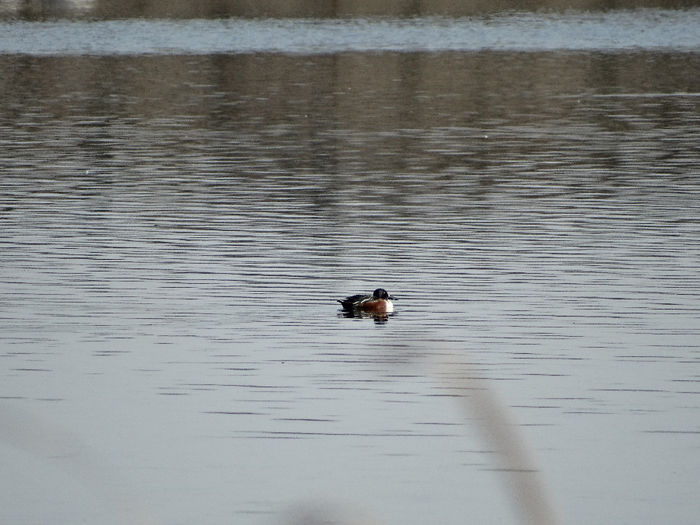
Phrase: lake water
{"type": "Point", "coordinates": [179, 214]}
{"type": "Point", "coordinates": [647, 29]}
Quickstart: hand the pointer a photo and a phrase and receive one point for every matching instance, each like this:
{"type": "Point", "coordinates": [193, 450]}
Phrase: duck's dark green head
{"type": "Point", "coordinates": [381, 293]}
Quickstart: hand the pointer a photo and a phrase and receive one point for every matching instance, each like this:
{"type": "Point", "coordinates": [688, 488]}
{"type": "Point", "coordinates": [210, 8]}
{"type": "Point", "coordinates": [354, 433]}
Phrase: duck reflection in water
{"type": "Point", "coordinates": [379, 305]}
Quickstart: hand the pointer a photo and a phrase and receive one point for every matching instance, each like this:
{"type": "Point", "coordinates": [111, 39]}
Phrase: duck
{"type": "Point", "coordinates": [380, 302]}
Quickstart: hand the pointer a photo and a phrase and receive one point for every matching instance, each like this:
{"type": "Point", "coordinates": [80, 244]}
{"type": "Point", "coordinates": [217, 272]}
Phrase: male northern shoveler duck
{"type": "Point", "coordinates": [380, 302]}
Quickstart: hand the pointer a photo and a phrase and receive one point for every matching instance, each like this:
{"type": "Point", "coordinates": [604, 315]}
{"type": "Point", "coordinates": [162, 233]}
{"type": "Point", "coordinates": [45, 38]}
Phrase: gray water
{"type": "Point", "coordinates": [650, 29]}
{"type": "Point", "coordinates": [176, 228]}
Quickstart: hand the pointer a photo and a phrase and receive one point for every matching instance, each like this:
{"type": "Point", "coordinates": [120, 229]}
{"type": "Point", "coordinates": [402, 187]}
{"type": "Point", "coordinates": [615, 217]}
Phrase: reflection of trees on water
{"type": "Point", "coordinates": [393, 133]}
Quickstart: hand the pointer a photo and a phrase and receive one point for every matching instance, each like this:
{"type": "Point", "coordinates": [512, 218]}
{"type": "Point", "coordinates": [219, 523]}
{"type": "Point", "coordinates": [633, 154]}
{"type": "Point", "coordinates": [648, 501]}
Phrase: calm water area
{"type": "Point", "coordinates": [182, 202]}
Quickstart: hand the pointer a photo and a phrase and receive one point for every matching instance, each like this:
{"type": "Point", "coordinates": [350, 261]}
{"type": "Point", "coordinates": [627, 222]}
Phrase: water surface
{"type": "Point", "coordinates": [176, 229]}
{"type": "Point", "coordinates": [624, 30]}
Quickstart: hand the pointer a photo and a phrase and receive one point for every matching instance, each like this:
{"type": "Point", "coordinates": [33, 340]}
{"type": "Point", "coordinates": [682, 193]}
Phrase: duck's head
{"type": "Point", "coordinates": [381, 293]}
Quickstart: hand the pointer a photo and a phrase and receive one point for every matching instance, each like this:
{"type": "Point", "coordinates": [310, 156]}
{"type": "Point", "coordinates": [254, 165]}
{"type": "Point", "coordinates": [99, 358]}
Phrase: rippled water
{"type": "Point", "coordinates": [613, 30]}
{"type": "Point", "coordinates": [176, 230]}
